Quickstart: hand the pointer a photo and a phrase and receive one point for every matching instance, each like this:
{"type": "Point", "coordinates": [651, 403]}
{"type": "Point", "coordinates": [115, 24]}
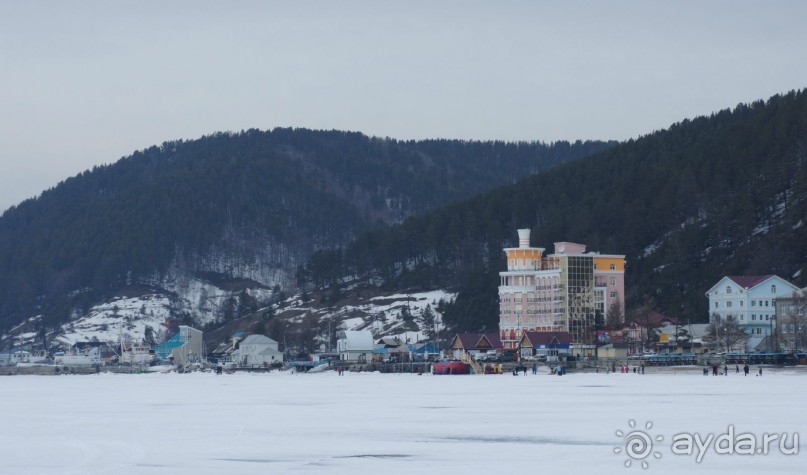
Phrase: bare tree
{"type": "Point", "coordinates": [616, 316]}
{"type": "Point", "coordinates": [726, 334]}
{"type": "Point", "coordinates": [643, 316]}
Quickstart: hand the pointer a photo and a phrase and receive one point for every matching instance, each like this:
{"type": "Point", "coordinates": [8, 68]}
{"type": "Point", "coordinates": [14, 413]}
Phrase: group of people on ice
{"type": "Point", "coordinates": [716, 370]}
{"type": "Point", "coordinates": [626, 369]}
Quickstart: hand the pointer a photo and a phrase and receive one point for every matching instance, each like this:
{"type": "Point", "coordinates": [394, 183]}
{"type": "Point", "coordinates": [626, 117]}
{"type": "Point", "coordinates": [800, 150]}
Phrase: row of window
{"type": "Point", "coordinates": [792, 328]}
{"type": "Point", "coordinates": [529, 281]}
{"type": "Point", "coordinates": [767, 303]}
{"type": "Point", "coordinates": [754, 317]}
{"type": "Point", "coordinates": [531, 311]}
{"type": "Point", "coordinates": [611, 267]}
{"type": "Point", "coordinates": [728, 289]}
{"type": "Point", "coordinates": [792, 308]}
{"type": "Point", "coordinates": [517, 297]}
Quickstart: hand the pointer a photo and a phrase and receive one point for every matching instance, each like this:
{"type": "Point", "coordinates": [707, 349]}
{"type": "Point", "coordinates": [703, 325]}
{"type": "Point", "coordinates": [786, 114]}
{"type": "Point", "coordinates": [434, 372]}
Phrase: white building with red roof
{"type": "Point", "coordinates": [751, 301]}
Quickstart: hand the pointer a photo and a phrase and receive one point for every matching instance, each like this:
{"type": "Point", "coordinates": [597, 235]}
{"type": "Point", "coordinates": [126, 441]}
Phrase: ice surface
{"type": "Point", "coordinates": [384, 423]}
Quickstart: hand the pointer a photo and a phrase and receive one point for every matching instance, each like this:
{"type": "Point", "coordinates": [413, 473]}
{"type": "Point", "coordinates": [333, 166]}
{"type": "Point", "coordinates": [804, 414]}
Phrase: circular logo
{"type": "Point", "coordinates": [637, 444]}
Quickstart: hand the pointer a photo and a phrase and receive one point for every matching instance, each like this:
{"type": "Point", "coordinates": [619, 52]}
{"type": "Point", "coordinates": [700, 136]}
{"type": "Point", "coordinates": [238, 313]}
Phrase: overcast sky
{"type": "Point", "coordinates": [84, 83]}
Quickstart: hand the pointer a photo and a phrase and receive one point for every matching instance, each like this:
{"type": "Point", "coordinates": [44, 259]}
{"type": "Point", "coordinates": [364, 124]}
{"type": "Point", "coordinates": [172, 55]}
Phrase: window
{"type": "Point", "coordinates": [728, 304]}
{"type": "Point", "coordinates": [613, 294]}
{"type": "Point", "coordinates": [766, 303]}
{"type": "Point", "coordinates": [753, 303]}
{"type": "Point", "coordinates": [741, 303]}
{"type": "Point", "coordinates": [753, 317]}
{"type": "Point", "coordinates": [773, 288]}
{"type": "Point", "coordinates": [742, 318]}
{"type": "Point", "coordinates": [613, 281]}
{"type": "Point", "coordinates": [728, 290]}
{"type": "Point", "coordinates": [595, 266]}
{"type": "Point", "coordinates": [613, 266]}
{"type": "Point", "coordinates": [717, 304]}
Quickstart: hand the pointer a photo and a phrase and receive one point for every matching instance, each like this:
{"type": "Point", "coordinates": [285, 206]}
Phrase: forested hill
{"type": "Point", "coordinates": [716, 195]}
{"type": "Point", "coordinates": [250, 205]}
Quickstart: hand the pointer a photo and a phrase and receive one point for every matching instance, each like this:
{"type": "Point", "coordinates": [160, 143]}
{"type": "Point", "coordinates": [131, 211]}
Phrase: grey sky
{"type": "Point", "coordinates": [85, 83]}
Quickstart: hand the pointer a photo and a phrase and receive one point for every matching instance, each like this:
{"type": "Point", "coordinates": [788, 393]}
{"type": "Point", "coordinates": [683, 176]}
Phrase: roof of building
{"type": "Point", "coordinates": [360, 340]}
{"type": "Point", "coordinates": [654, 318]}
{"type": "Point", "coordinates": [749, 281]}
{"type": "Point", "coordinates": [548, 338]}
{"type": "Point", "coordinates": [389, 342]}
{"type": "Point", "coordinates": [565, 247]}
{"type": "Point", "coordinates": [423, 347]}
{"type": "Point", "coordinates": [164, 350]}
{"type": "Point", "coordinates": [473, 341]}
{"type": "Point", "coordinates": [258, 340]}
{"type": "Point", "coordinates": [270, 351]}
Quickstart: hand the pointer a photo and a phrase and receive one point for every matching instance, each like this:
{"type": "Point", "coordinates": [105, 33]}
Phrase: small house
{"type": "Point", "coordinates": [552, 345]}
{"type": "Point", "coordinates": [475, 344]}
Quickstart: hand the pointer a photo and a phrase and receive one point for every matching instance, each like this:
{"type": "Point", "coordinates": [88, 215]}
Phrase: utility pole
{"type": "Point", "coordinates": [717, 332]}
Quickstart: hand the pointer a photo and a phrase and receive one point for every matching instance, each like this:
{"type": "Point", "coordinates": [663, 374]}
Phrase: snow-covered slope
{"type": "Point", "coordinates": [393, 315]}
{"type": "Point", "coordinates": [192, 299]}
{"type": "Point", "coordinates": [118, 319]}
{"type": "Point", "coordinates": [126, 318]}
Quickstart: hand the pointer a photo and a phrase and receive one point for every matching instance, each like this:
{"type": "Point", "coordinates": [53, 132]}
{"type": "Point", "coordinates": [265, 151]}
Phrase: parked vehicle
{"type": "Point", "coordinates": [489, 357]}
{"type": "Point", "coordinates": [508, 356]}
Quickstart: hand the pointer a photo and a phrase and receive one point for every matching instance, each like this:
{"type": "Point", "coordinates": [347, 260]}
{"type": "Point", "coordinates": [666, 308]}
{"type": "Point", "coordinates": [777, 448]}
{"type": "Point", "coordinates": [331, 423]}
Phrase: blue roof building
{"type": "Point", "coordinates": [186, 346]}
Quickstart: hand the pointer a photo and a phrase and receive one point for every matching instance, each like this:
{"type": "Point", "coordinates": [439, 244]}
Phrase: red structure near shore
{"type": "Point", "coordinates": [452, 367]}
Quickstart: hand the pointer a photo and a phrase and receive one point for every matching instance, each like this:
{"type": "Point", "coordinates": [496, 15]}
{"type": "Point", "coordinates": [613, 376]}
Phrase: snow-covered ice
{"type": "Point", "coordinates": [385, 423]}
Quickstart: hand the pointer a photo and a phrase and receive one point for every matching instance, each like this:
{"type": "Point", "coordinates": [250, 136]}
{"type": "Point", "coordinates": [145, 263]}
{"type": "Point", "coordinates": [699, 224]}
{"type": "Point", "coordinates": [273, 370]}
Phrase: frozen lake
{"type": "Point", "coordinates": [387, 423]}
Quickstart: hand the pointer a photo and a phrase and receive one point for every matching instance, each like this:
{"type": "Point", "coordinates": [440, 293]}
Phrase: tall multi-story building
{"type": "Point", "coordinates": [791, 321]}
{"type": "Point", "coordinates": [565, 291]}
{"type": "Point", "coordinates": [750, 300]}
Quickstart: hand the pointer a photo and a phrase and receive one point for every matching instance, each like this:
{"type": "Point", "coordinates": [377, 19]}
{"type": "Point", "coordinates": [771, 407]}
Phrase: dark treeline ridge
{"type": "Point", "coordinates": [294, 190]}
{"type": "Point", "coordinates": [713, 196]}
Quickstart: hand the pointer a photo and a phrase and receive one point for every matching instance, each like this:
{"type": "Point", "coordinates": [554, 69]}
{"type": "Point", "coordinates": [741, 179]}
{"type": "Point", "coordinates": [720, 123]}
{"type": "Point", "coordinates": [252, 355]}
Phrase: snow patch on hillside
{"type": "Point", "coordinates": [383, 315]}
{"type": "Point", "coordinates": [201, 300]}
{"type": "Point", "coordinates": [118, 319]}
